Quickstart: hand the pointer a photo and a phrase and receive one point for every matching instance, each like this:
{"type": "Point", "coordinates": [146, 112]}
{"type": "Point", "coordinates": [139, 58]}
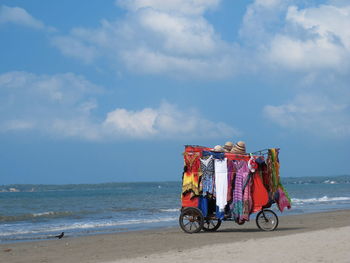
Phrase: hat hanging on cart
{"type": "Point", "coordinates": [239, 148]}
{"type": "Point", "coordinates": [218, 148]}
{"type": "Point", "coordinates": [228, 146]}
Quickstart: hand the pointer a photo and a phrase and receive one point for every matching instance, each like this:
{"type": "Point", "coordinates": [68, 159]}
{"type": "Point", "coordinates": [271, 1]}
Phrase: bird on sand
{"type": "Point", "coordinates": [60, 235]}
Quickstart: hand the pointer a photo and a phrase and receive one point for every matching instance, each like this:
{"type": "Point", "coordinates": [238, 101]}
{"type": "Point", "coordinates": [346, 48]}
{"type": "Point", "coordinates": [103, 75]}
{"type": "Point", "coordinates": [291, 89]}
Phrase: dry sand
{"type": "Point", "coordinates": [321, 237]}
{"type": "Point", "coordinates": [329, 245]}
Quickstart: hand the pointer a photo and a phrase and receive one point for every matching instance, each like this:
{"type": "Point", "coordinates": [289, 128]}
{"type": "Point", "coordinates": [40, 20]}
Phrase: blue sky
{"type": "Point", "coordinates": [109, 91]}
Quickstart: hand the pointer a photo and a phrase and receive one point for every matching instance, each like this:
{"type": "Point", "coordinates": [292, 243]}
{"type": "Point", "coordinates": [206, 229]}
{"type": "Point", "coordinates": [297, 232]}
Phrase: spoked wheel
{"type": "Point", "coordinates": [267, 220]}
{"type": "Point", "coordinates": [211, 225]}
{"type": "Point", "coordinates": [191, 220]}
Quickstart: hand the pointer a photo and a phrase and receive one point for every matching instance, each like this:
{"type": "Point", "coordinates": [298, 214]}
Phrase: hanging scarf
{"type": "Point", "coordinates": [237, 206]}
{"type": "Point", "coordinates": [277, 190]}
{"type": "Point", "coordinates": [190, 180]}
{"type": "Point", "coordinates": [230, 178]}
{"type": "Point", "coordinates": [247, 196]}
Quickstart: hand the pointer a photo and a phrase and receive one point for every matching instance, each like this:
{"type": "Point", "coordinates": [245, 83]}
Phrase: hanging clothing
{"type": "Point", "coordinates": [266, 177]}
{"type": "Point", "coordinates": [216, 155]}
{"type": "Point", "coordinates": [259, 194]}
{"type": "Point", "coordinates": [219, 213]}
{"type": "Point", "coordinates": [221, 183]}
{"type": "Point", "coordinates": [208, 176]}
{"type": "Point", "coordinates": [188, 200]}
{"type": "Point", "coordinates": [242, 202]}
{"type": "Point", "coordinates": [190, 180]}
{"type": "Point", "coordinates": [247, 196]}
{"type": "Point", "coordinates": [203, 205]}
{"type": "Point", "coordinates": [230, 177]}
{"type": "Point", "coordinates": [273, 169]}
{"type": "Point", "coordinates": [273, 166]}
{"type": "Point", "coordinates": [237, 204]}
{"type": "Point", "coordinates": [282, 200]}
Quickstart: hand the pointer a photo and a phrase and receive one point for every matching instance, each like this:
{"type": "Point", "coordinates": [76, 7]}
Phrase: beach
{"type": "Point", "coordinates": [316, 237]}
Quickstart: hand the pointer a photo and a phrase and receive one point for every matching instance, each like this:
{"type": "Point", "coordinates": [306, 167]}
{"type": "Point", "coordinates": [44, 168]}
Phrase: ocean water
{"type": "Point", "coordinates": [37, 212]}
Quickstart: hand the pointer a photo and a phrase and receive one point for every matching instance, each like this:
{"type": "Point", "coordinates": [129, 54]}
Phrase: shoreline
{"type": "Point", "coordinates": [160, 226]}
{"type": "Point", "coordinates": [134, 244]}
{"type": "Point", "coordinates": [152, 227]}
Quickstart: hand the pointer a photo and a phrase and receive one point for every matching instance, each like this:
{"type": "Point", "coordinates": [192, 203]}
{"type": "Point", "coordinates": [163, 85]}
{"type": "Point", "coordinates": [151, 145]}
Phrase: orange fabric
{"type": "Point", "coordinates": [187, 201]}
{"type": "Point", "coordinates": [259, 193]}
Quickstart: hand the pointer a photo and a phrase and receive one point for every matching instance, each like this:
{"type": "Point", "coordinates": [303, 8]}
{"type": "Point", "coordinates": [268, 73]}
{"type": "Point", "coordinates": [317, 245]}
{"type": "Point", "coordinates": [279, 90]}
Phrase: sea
{"type": "Point", "coordinates": [39, 212]}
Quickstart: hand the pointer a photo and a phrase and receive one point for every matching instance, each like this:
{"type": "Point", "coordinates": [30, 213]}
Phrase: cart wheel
{"type": "Point", "coordinates": [211, 225]}
{"type": "Point", "coordinates": [191, 220]}
{"type": "Point", "coordinates": [266, 220]}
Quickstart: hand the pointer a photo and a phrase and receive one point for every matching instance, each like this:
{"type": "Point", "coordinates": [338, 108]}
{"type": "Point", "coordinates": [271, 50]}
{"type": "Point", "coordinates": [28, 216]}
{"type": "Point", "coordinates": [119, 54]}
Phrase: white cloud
{"type": "Point", "coordinates": [318, 115]}
{"type": "Point", "coordinates": [281, 35]}
{"type": "Point", "coordinates": [130, 123]}
{"type": "Point", "coordinates": [167, 121]}
{"type": "Point", "coordinates": [317, 39]}
{"type": "Point", "coordinates": [307, 43]}
{"type": "Point", "coordinates": [36, 102]}
{"type": "Point", "coordinates": [156, 37]}
{"type": "Point", "coordinates": [260, 22]}
{"type": "Point", "coordinates": [63, 106]}
{"type": "Point", "coordinates": [308, 55]}
{"type": "Point", "coordinates": [19, 16]}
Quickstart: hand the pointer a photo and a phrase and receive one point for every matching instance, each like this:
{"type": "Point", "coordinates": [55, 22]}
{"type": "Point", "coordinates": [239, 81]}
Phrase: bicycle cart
{"type": "Point", "coordinates": [260, 183]}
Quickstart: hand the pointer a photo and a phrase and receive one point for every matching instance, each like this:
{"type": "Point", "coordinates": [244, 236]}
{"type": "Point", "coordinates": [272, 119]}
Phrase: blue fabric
{"type": "Point", "coordinates": [208, 177]}
{"type": "Point", "coordinates": [216, 155]}
{"type": "Point", "coordinates": [203, 205]}
{"type": "Point", "coordinates": [220, 215]}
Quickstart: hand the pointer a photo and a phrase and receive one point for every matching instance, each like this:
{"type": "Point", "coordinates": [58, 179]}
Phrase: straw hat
{"type": "Point", "coordinates": [228, 146]}
{"type": "Point", "coordinates": [218, 148]}
{"type": "Point", "coordinates": [239, 148]}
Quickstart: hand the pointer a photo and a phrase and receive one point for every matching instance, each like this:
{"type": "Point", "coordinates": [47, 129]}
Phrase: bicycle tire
{"type": "Point", "coordinates": [191, 220]}
{"type": "Point", "coordinates": [211, 225]}
{"type": "Point", "coordinates": [266, 220]}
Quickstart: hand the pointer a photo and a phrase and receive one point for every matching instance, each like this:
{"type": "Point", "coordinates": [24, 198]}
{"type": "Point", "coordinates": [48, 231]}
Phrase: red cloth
{"type": "Point", "coordinates": [259, 194]}
{"type": "Point", "coordinates": [187, 201]}
{"type": "Point", "coordinates": [233, 156]}
{"type": "Point", "coordinates": [190, 148]}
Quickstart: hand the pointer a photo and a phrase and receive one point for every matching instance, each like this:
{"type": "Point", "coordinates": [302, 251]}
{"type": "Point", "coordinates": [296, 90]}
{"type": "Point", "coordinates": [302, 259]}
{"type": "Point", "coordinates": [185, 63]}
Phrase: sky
{"type": "Point", "coordinates": [111, 91]}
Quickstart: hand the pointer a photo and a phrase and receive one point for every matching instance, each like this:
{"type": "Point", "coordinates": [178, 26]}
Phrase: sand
{"type": "Point", "coordinates": [321, 237]}
{"type": "Point", "coordinates": [330, 245]}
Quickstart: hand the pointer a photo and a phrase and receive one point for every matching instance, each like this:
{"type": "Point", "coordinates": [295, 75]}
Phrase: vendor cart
{"type": "Point", "coordinates": [193, 219]}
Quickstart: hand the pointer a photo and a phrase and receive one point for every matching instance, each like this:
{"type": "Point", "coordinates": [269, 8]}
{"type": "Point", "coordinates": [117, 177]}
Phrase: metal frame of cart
{"type": "Point", "coordinates": [191, 220]}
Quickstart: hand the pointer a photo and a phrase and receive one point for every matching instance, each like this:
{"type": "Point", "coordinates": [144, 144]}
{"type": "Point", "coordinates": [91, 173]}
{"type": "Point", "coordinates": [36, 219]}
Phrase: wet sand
{"type": "Point", "coordinates": [319, 237]}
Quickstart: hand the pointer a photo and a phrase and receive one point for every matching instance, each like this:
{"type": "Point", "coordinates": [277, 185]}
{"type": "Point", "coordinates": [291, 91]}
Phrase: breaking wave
{"type": "Point", "coordinates": [323, 199]}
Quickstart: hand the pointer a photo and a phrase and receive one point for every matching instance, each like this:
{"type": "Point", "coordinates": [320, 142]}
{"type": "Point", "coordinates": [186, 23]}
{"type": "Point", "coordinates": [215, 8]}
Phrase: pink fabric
{"type": "Point", "coordinates": [282, 201]}
{"type": "Point", "coordinates": [247, 199]}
